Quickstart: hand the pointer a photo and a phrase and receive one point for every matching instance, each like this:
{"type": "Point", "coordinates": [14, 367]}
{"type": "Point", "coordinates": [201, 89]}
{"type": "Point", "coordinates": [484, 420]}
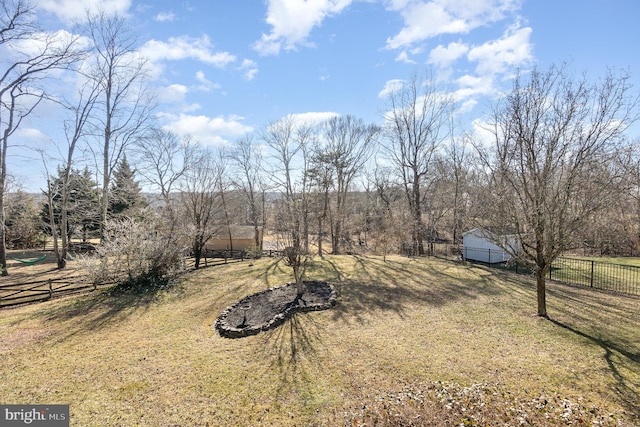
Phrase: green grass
{"type": "Point", "coordinates": [633, 261]}
{"type": "Point", "coordinates": [599, 274]}
{"type": "Point", "coordinates": [155, 360]}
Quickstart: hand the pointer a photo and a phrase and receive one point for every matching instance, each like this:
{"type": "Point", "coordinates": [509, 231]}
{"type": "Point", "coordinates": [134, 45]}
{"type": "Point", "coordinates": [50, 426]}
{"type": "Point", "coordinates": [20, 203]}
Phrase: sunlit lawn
{"type": "Point", "coordinates": [155, 359]}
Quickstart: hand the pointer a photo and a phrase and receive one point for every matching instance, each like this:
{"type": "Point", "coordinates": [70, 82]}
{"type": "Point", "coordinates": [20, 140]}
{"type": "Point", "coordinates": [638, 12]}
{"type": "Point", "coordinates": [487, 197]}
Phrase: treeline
{"type": "Point", "coordinates": [551, 161]}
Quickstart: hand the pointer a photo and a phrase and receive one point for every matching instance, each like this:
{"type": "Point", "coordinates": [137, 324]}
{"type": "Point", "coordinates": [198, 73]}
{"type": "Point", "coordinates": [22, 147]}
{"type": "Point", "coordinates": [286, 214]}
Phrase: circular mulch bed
{"type": "Point", "coordinates": [270, 308]}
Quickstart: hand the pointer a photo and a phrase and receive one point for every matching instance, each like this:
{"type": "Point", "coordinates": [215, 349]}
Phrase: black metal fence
{"type": "Point", "coordinates": [597, 274]}
{"type": "Point", "coordinates": [585, 272]}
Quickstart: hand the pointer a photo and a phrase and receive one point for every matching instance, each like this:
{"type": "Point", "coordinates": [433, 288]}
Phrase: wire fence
{"type": "Point", "coordinates": [585, 272]}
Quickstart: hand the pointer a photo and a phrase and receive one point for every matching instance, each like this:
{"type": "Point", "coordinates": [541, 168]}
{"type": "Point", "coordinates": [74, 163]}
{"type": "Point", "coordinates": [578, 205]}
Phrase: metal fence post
{"type": "Point", "coordinates": [592, 262]}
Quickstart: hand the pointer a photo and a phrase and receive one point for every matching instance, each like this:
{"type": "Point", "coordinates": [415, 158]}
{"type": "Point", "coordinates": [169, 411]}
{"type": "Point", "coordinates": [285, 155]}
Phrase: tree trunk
{"type": "Point", "coordinates": [197, 254]}
{"type": "Point", "coordinates": [418, 246]}
{"type": "Point", "coordinates": [320, 236]}
{"type": "Point", "coordinates": [3, 247]}
{"type": "Point", "coordinates": [3, 180]}
{"type": "Point", "coordinates": [52, 225]}
{"type": "Point", "coordinates": [61, 254]}
{"type": "Point", "coordinates": [541, 292]}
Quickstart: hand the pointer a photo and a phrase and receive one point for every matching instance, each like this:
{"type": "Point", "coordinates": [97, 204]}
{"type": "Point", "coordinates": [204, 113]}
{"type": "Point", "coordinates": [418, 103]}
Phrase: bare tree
{"type": "Point", "coordinates": [459, 162]}
{"type": "Point", "coordinates": [164, 160]}
{"type": "Point", "coordinates": [75, 128]}
{"type": "Point", "coordinates": [417, 124]}
{"type": "Point", "coordinates": [288, 141]}
{"type": "Point", "coordinates": [320, 182]}
{"type": "Point", "coordinates": [550, 166]}
{"type": "Point", "coordinates": [348, 144]}
{"type": "Point", "coordinates": [22, 79]}
{"type": "Point", "coordinates": [388, 222]}
{"type": "Point", "coordinates": [124, 102]}
{"type": "Point", "coordinates": [200, 200]}
{"type": "Point", "coordinates": [248, 159]}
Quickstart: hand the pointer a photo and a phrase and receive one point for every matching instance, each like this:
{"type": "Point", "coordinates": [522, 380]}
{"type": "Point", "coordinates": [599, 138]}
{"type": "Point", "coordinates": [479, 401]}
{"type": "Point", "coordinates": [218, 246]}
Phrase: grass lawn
{"type": "Point", "coordinates": [155, 360]}
{"type": "Point", "coordinates": [633, 261]}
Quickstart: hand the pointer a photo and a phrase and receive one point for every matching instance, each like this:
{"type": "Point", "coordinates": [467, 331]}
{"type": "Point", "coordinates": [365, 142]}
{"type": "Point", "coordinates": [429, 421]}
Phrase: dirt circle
{"type": "Point", "coordinates": [270, 308]}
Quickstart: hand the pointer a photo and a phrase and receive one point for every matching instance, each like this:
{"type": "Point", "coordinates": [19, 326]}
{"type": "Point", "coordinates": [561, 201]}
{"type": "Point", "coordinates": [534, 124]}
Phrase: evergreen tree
{"type": "Point", "coordinates": [126, 199]}
{"type": "Point", "coordinates": [22, 221]}
{"type": "Point", "coordinates": [83, 215]}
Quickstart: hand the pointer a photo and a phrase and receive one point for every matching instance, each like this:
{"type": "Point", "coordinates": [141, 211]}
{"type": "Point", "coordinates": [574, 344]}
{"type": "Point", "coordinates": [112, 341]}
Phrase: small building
{"type": "Point", "coordinates": [241, 238]}
{"type": "Point", "coordinates": [480, 244]}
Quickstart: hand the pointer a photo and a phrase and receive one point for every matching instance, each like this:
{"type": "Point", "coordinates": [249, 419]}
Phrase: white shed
{"type": "Point", "coordinates": [479, 245]}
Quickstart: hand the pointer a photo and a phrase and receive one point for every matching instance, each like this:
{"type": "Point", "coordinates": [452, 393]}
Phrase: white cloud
{"type": "Point", "coordinates": [249, 68]}
{"type": "Point", "coordinates": [32, 134]}
{"type": "Point", "coordinates": [70, 11]}
{"type": "Point", "coordinates": [165, 17]}
{"type": "Point", "coordinates": [40, 42]}
{"type": "Point", "coordinates": [427, 19]}
{"type": "Point", "coordinates": [291, 22]}
{"type": "Point", "coordinates": [482, 134]}
{"type": "Point", "coordinates": [205, 84]}
{"type": "Point", "coordinates": [511, 50]}
{"type": "Point", "coordinates": [184, 47]}
{"type": "Point", "coordinates": [172, 93]}
{"type": "Point", "coordinates": [206, 130]}
{"type": "Point", "coordinates": [475, 84]}
{"type": "Point", "coordinates": [404, 57]}
{"type": "Point", "coordinates": [443, 56]}
{"type": "Point", "coordinates": [390, 87]}
{"type": "Point", "coordinates": [311, 118]}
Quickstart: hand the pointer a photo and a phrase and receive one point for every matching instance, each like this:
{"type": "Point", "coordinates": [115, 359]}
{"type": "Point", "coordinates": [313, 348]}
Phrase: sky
{"type": "Point", "coordinates": [222, 68]}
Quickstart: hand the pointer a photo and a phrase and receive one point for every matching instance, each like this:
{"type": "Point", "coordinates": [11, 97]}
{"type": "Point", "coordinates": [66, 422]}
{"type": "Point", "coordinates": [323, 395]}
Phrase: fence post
{"type": "Point", "coordinates": [50, 290]}
{"type": "Point", "coordinates": [225, 256]}
{"type": "Point", "coordinates": [592, 262]}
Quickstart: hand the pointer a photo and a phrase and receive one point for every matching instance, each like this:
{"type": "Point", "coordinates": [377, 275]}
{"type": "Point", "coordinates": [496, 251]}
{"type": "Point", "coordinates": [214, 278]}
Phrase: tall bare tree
{"type": "Point", "coordinates": [248, 159]}
{"type": "Point", "coordinates": [288, 140]}
{"type": "Point", "coordinates": [164, 160]}
{"type": "Point", "coordinates": [23, 75]}
{"type": "Point", "coordinates": [416, 125]}
{"type": "Point", "coordinates": [200, 199]}
{"type": "Point", "coordinates": [75, 129]}
{"type": "Point", "coordinates": [555, 138]}
{"type": "Point", "coordinates": [348, 144]}
{"type": "Point", "coordinates": [124, 103]}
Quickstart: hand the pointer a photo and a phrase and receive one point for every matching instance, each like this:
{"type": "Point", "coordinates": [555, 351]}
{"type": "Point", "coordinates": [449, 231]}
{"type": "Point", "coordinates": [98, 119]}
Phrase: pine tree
{"type": "Point", "coordinates": [83, 214]}
{"type": "Point", "coordinates": [22, 221]}
{"type": "Point", "coordinates": [126, 199]}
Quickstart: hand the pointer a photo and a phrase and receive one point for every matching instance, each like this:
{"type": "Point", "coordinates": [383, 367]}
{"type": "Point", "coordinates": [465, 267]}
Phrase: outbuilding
{"type": "Point", "coordinates": [237, 238]}
{"type": "Point", "coordinates": [481, 244]}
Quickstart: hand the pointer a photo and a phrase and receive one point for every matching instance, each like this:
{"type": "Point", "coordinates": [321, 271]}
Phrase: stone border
{"type": "Point", "coordinates": [227, 331]}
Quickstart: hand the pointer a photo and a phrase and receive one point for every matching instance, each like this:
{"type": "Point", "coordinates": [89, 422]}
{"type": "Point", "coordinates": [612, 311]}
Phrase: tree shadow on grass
{"type": "Point", "coordinates": [611, 322]}
{"type": "Point", "coordinates": [391, 286]}
{"type": "Point", "coordinates": [104, 307]}
{"type": "Point", "coordinates": [617, 358]}
{"type": "Point", "coordinates": [291, 350]}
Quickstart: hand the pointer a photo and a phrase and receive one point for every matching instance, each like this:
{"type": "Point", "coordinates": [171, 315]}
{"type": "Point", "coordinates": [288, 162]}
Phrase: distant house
{"type": "Point", "coordinates": [480, 245]}
{"type": "Point", "coordinates": [242, 238]}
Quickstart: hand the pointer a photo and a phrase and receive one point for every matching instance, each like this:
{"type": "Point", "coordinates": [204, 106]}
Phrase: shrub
{"type": "Point", "coordinates": [134, 255]}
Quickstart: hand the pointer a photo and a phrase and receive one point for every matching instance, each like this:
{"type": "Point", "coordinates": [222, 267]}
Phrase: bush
{"type": "Point", "coordinates": [135, 256]}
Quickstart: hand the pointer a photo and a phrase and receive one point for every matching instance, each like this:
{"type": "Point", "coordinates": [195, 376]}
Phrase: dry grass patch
{"type": "Point", "coordinates": [154, 359]}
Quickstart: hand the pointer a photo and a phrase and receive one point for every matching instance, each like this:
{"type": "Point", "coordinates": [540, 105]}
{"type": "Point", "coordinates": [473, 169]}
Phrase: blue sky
{"type": "Point", "coordinates": [224, 68]}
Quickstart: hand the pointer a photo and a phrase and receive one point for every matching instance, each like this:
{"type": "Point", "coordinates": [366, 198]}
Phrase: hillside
{"type": "Point", "coordinates": [407, 324]}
